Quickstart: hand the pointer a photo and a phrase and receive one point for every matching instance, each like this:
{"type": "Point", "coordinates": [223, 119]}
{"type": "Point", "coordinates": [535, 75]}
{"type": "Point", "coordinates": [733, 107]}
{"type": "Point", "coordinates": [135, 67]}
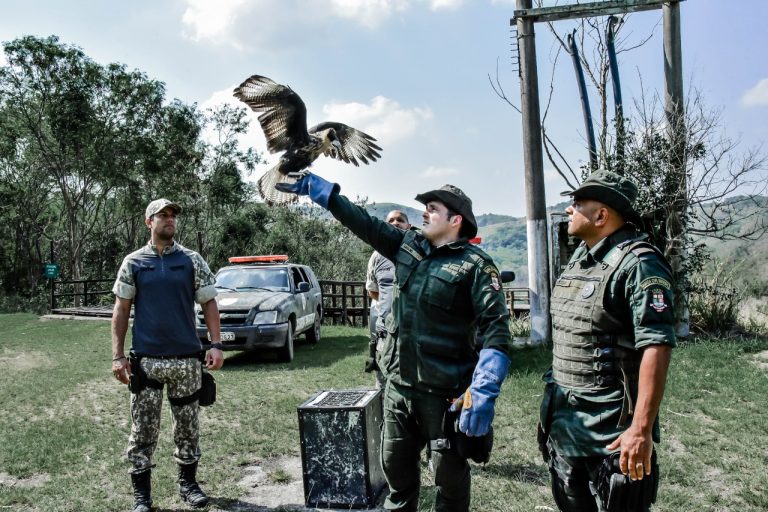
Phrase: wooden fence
{"type": "Point", "coordinates": [344, 302]}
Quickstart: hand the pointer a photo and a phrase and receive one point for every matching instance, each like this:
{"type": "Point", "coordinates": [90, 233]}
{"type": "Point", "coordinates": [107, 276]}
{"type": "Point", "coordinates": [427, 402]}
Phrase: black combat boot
{"type": "Point", "coordinates": [142, 490]}
{"type": "Point", "coordinates": [189, 490]}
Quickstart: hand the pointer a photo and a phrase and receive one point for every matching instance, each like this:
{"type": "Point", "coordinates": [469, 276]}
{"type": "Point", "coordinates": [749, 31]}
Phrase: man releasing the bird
{"type": "Point", "coordinates": [283, 119]}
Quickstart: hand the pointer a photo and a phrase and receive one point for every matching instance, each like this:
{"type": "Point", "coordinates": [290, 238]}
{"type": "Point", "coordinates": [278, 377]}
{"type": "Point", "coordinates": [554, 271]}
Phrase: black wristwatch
{"type": "Point", "coordinates": [217, 346]}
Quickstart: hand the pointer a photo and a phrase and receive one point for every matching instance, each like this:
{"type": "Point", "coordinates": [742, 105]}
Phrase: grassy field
{"type": "Point", "coordinates": [65, 420]}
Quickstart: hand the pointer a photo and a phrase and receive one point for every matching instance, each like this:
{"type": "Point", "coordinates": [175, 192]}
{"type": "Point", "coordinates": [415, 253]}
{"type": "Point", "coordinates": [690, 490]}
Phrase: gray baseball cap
{"type": "Point", "coordinates": [159, 204]}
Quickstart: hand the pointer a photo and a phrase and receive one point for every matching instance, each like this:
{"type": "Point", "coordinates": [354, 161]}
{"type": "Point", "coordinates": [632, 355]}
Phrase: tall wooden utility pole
{"type": "Point", "coordinates": [535, 202]}
{"type": "Point", "coordinates": [524, 19]}
{"type": "Point", "coordinates": [676, 131]}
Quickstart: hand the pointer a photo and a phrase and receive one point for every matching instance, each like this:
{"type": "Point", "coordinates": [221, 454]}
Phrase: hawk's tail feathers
{"type": "Point", "coordinates": [266, 188]}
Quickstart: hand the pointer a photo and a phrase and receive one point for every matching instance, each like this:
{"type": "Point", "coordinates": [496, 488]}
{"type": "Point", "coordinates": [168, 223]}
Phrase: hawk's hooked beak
{"type": "Point", "coordinates": [336, 144]}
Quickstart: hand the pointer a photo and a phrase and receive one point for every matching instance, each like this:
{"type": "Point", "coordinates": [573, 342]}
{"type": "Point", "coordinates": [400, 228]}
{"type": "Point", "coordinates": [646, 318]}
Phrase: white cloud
{"type": "Point", "coordinates": [263, 24]}
{"type": "Point", "coordinates": [213, 20]}
{"type": "Point", "coordinates": [382, 118]}
{"type": "Point", "coordinates": [436, 5]}
{"type": "Point", "coordinates": [437, 172]}
{"type": "Point", "coordinates": [757, 96]}
{"type": "Point", "coordinates": [369, 13]}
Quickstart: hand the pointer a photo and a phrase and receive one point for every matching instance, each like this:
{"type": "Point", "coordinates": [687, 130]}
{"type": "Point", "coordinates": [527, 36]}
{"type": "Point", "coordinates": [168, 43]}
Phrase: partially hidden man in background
{"type": "Point", "coordinates": [447, 296]}
{"type": "Point", "coordinates": [163, 280]}
{"type": "Point", "coordinates": [613, 331]}
{"type": "Point", "coordinates": [378, 282]}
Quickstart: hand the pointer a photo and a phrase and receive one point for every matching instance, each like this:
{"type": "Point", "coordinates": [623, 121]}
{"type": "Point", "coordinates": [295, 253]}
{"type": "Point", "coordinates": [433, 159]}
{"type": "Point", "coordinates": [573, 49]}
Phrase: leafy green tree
{"type": "Point", "coordinates": [81, 124]}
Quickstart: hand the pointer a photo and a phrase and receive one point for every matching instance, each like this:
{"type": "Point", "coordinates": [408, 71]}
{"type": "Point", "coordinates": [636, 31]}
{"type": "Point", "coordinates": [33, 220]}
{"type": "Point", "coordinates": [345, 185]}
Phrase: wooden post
{"type": "Point", "coordinates": [53, 284]}
{"type": "Point", "coordinates": [676, 131]}
{"type": "Point", "coordinates": [536, 206]}
{"type": "Point", "coordinates": [343, 303]}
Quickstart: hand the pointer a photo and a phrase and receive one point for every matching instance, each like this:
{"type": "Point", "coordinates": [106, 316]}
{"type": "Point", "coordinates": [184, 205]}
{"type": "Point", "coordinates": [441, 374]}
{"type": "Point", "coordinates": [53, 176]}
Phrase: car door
{"type": "Point", "coordinates": [304, 316]}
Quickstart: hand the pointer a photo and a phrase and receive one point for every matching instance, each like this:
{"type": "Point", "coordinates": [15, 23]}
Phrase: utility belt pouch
{"type": "Point", "coordinates": [207, 393]}
{"type": "Point", "coordinates": [620, 494]}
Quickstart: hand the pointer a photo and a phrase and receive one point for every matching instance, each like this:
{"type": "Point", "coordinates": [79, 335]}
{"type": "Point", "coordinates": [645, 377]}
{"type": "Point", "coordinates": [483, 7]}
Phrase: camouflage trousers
{"type": "Point", "coordinates": [181, 378]}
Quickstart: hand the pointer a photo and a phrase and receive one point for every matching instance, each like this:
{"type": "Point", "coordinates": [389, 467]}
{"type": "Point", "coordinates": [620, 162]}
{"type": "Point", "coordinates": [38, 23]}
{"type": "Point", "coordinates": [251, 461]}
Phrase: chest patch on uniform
{"type": "Point", "coordinates": [655, 281]}
{"type": "Point", "coordinates": [588, 290]}
{"type": "Point", "coordinates": [454, 269]}
{"type": "Point", "coordinates": [657, 301]}
{"type": "Point", "coordinates": [410, 250]}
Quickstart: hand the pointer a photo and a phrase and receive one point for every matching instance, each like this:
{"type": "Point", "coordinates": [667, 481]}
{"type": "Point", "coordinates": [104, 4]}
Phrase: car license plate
{"type": "Point", "coordinates": [225, 336]}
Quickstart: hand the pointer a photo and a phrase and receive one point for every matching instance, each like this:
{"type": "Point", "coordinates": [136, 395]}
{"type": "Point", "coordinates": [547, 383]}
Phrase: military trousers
{"type": "Point", "coordinates": [181, 378]}
{"type": "Point", "coordinates": [411, 419]}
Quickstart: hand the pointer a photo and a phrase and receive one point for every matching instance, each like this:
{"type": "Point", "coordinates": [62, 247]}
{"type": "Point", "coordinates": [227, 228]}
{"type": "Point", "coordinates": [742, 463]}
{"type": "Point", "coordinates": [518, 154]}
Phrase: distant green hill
{"type": "Point", "coordinates": [504, 238]}
{"type": "Point", "coordinates": [745, 261]}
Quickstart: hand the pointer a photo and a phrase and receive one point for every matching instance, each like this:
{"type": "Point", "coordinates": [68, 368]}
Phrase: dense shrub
{"type": "Point", "coordinates": [714, 302]}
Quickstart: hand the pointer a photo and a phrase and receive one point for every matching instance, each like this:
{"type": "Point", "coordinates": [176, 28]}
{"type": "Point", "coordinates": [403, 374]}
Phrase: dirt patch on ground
{"type": "Point", "coordinates": [675, 445]}
{"type": "Point", "coordinates": [274, 483]}
{"type": "Point", "coordinates": [7, 480]}
{"type": "Point", "coordinates": [761, 360]}
{"type": "Point", "coordinates": [22, 361]}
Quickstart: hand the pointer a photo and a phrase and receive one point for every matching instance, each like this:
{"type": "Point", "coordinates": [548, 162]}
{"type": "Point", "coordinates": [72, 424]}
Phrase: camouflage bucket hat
{"type": "Point", "coordinates": [455, 199]}
{"type": "Point", "coordinates": [159, 204]}
{"type": "Point", "coordinates": [610, 189]}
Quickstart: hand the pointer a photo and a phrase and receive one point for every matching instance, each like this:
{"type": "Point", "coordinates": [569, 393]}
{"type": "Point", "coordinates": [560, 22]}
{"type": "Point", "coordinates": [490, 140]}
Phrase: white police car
{"type": "Point", "coordinates": [264, 303]}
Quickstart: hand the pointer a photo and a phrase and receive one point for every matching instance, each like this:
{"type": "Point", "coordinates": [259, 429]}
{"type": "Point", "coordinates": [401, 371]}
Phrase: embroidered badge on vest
{"type": "Point", "coordinates": [587, 291]}
{"type": "Point", "coordinates": [657, 301]}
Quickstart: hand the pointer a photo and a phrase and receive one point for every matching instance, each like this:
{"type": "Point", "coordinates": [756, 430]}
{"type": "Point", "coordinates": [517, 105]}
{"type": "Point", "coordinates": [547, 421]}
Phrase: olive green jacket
{"type": "Point", "coordinates": [447, 304]}
{"type": "Point", "coordinates": [638, 296]}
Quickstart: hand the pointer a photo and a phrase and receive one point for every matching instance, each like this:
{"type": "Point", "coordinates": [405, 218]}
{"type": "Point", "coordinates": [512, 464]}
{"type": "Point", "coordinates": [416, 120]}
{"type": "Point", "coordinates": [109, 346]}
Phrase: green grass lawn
{"type": "Point", "coordinates": [64, 422]}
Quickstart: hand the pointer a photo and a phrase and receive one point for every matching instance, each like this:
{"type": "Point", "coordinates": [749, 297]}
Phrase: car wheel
{"type": "Point", "coordinates": [285, 354]}
{"type": "Point", "coordinates": [313, 335]}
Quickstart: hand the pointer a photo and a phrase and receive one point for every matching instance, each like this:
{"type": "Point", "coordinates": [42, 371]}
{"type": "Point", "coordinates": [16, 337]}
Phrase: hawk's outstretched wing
{"type": "Point", "coordinates": [284, 115]}
{"type": "Point", "coordinates": [354, 144]}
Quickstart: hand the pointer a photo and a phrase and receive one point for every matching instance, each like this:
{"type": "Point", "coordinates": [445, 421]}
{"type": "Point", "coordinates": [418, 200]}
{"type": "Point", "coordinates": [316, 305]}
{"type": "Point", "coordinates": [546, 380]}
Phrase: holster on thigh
{"type": "Point", "coordinates": [618, 493]}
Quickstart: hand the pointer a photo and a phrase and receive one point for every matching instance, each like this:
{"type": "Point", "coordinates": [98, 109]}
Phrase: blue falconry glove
{"type": "Point", "coordinates": [312, 185]}
{"type": "Point", "coordinates": [477, 403]}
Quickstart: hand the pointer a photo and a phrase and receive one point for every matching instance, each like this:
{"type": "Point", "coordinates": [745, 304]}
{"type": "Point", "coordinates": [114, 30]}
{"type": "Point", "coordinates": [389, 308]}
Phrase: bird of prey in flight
{"type": "Point", "coordinates": [283, 119]}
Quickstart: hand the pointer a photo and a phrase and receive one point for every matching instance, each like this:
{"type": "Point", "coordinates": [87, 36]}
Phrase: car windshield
{"type": "Point", "coordinates": [240, 279]}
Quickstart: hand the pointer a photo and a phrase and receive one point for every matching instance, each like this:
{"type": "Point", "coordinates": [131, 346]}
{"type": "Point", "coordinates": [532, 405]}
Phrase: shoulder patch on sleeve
{"type": "Point", "coordinates": [658, 303]}
{"type": "Point", "coordinates": [493, 273]}
{"type": "Point", "coordinates": [655, 281]}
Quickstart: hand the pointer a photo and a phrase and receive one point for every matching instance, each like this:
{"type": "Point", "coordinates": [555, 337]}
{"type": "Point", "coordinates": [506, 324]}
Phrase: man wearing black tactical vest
{"type": "Point", "coordinates": [613, 331]}
{"type": "Point", "coordinates": [446, 298]}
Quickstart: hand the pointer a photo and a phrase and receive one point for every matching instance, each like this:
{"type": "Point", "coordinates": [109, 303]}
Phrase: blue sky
{"type": "Point", "coordinates": [412, 73]}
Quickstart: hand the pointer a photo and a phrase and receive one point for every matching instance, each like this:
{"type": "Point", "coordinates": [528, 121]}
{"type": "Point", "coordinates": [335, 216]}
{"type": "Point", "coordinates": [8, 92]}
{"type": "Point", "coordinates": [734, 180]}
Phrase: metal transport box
{"type": "Point", "coordinates": [340, 442]}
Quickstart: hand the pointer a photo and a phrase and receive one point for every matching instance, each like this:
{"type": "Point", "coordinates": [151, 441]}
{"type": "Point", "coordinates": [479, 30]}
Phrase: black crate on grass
{"type": "Point", "coordinates": [340, 442]}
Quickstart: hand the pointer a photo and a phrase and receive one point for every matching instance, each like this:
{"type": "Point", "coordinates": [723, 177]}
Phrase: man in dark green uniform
{"type": "Point", "coordinates": [447, 296]}
{"type": "Point", "coordinates": [613, 331]}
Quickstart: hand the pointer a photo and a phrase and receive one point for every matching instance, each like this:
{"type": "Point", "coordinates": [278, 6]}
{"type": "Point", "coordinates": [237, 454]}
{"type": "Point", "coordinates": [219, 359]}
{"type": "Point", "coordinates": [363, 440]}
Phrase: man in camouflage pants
{"type": "Point", "coordinates": [162, 280]}
{"type": "Point", "coordinates": [612, 333]}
